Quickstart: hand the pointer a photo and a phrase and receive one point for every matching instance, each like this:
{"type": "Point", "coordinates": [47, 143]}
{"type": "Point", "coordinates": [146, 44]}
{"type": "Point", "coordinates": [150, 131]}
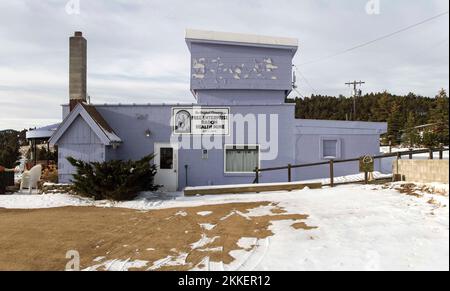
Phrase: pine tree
{"type": "Point", "coordinates": [114, 180]}
{"type": "Point", "coordinates": [9, 148]}
{"type": "Point", "coordinates": [411, 137]}
{"type": "Point", "coordinates": [395, 124]}
{"type": "Point", "coordinates": [439, 116]}
{"type": "Point", "coordinates": [381, 109]}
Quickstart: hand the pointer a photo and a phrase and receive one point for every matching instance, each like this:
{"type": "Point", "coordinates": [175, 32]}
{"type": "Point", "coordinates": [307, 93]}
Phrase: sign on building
{"type": "Point", "coordinates": [201, 120]}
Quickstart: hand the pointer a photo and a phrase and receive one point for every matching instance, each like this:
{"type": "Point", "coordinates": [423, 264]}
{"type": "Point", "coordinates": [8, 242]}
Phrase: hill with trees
{"type": "Point", "coordinates": [403, 114]}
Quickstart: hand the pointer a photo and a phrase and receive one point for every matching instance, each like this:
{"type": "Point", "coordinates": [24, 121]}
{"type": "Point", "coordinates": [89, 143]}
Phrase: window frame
{"type": "Point", "coordinates": [338, 147]}
{"type": "Point", "coordinates": [172, 151]}
{"type": "Point", "coordinates": [226, 146]}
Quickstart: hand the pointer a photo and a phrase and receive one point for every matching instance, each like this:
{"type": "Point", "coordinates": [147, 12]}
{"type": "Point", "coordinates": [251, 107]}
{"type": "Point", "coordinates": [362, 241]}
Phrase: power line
{"type": "Point", "coordinates": [298, 92]}
{"type": "Point", "coordinates": [314, 91]}
{"type": "Point", "coordinates": [377, 39]}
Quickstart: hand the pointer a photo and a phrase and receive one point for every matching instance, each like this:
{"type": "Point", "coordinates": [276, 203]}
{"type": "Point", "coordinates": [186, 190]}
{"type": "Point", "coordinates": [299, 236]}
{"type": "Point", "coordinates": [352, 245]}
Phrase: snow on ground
{"type": "Point", "coordinates": [349, 179]}
{"type": "Point", "coordinates": [24, 201]}
{"type": "Point", "coordinates": [324, 181]}
{"type": "Point", "coordinates": [117, 265]}
{"type": "Point", "coordinates": [359, 227]}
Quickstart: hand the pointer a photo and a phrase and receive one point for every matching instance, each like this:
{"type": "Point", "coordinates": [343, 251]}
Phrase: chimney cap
{"type": "Point", "coordinates": [78, 33]}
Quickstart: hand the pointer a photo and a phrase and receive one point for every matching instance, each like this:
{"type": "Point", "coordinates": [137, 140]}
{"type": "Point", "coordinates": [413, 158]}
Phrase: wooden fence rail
{"type": "Point", "coordinates": [332, 163]}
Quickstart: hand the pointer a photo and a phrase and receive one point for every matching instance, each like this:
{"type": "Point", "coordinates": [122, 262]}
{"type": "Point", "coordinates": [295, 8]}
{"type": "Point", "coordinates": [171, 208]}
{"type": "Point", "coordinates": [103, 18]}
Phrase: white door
{"type": "Point", "coordinates": [166, 161]}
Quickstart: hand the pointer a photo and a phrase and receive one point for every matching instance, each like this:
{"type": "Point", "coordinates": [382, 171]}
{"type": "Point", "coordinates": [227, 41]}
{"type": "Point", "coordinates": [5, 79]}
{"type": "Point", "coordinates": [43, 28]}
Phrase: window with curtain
{"type": "Point", "coordinates": [241, 159]}
{"type": "Point", "coordinates": [329, 149]}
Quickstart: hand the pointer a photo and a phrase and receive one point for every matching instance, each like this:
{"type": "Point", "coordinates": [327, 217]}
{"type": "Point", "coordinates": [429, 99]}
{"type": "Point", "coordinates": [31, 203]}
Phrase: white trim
{"type": "Point", "coordinates": [338, 147]}
{"type": "Point", "coordinates": [240, 38]}
{"type": "Point", "coordinates": [80, 111]}
{"type": "Point", "coordinates": [239, 145]}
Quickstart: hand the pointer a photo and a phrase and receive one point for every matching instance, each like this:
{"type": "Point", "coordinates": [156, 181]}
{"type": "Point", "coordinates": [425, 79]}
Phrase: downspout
{"type": "Point", "coordinates": [186, 174]}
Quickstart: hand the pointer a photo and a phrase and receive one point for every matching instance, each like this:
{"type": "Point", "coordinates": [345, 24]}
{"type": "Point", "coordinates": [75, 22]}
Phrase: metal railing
{"type": "Point", "coordinates": [332, 163]}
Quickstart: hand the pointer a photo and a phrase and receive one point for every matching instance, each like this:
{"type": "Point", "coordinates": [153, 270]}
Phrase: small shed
{"type": "Point", "coordinates": [84, 135]}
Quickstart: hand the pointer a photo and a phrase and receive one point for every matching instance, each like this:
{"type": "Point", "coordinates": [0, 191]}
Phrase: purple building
{"type": "Point", "coordinates": [240, 120]}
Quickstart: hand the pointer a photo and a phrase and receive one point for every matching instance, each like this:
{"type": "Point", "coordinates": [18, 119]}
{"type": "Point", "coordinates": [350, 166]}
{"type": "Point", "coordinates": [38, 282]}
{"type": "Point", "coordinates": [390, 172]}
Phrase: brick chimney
{"type": "Point", "coordinates": [77, 69]}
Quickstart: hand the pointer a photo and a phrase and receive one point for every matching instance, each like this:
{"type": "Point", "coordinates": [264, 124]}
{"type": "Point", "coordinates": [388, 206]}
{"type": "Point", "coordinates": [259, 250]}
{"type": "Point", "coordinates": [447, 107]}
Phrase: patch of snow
{"type": "Point", "coordinates": [181, 213]}
{"type": "Point", "coordinates": [260, 211]}
{"type": "Point", "coordinates": [247, 242]}
{"type": "Point", "coordinates": [349, 178]}
{"type": "Point", "coordinates": [204, 213]}
{"type": "Point", "coordinates": [118, 265]}
{"type": "Point", "coordinates": [204, 240]}
{"type": "Point", "coordinates": [207, 226]}
{"type": "Point", "coordinates": [234, 212]}
{"type": "Point", "coordinates": [169, 261]}
{"type": "Point", "coordinates": [249, 259]}
{"type": "Point", "coordinates": [99, 259]}
{"type": "Point", "coordinates": [20, 201]}
{"type": "Point", "coordinates": [202, 266]}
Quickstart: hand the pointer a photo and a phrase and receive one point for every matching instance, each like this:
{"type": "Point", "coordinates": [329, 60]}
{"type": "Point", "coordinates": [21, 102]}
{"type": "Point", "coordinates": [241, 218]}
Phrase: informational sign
{"type": "Point", "coordinates": [366, 164]}
{"type": "Point", "coordinates": [201, 120]}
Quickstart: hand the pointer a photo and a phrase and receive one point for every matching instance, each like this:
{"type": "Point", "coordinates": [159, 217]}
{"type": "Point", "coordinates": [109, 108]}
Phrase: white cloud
{"type": "Point", "coordinates": [137, 52]}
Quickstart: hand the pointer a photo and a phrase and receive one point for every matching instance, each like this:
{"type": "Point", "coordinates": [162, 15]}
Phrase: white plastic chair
{"type": "Point", "coordinates": [31, 178]}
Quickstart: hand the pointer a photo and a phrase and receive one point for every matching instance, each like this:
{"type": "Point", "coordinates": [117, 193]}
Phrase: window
{"type": "Point", "coordinates": [330, 148]}
{"type": "Point", "coordinates": [166, 158]}
{"type": "Point", "coordinates": [241, 159]}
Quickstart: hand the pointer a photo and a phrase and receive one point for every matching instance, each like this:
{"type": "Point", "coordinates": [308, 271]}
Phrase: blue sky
{"type": "Point", "coordinates": [137, 52]}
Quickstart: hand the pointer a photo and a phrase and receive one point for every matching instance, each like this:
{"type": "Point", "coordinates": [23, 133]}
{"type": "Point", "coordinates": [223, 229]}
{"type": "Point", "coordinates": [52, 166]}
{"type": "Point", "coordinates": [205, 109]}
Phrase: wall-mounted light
{"type": "Point", "coordinates": [148, 133]}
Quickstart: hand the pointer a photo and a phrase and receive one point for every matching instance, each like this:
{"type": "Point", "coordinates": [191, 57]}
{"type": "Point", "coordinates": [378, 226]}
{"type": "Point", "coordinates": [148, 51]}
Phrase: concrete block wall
{"type": "Point", "coordinates": [423, 171]}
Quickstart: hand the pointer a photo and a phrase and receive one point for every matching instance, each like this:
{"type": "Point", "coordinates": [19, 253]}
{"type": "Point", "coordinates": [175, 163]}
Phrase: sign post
{"type": "Point", "coordinates": [366, 165]}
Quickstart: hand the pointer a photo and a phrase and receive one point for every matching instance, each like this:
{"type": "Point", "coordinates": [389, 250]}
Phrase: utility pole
{"type": "Point", "coordinates": [356, 93]}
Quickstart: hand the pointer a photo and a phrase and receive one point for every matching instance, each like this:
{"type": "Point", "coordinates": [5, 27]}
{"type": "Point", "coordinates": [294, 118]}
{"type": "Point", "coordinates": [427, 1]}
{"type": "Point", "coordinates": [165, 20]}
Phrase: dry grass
{"type": "Point", "coordinates": [39, 239]}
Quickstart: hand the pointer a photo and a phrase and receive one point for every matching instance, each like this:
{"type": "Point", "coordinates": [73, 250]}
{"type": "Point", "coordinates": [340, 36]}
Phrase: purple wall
{"type": "Point", "coordinates": [247, 97]}
{"type": "Point", "coordinates": [131, 123]}
{"type": "Point", "coordinates": [252, 81]}
{"type": "Point", "coordinates": [356, 139]}
{"type": "Point", "coordinates": [224, 66]}
{"type": "Point", "coordinates": [79, 142]}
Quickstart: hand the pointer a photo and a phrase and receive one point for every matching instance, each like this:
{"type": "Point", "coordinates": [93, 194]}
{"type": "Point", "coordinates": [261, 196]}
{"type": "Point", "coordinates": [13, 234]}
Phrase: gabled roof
{"type": "Point", "coordinates": [95, 121]}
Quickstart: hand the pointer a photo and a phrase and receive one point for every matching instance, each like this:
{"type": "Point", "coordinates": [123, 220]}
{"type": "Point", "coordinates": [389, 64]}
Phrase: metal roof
{"type": "Point", "coordinates": [42, 133]}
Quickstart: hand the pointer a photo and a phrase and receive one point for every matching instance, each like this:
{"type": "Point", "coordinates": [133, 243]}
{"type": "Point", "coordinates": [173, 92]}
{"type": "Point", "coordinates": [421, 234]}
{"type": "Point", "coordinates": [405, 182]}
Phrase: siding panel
{"type": "Point", "coordinates": [79, 142]}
